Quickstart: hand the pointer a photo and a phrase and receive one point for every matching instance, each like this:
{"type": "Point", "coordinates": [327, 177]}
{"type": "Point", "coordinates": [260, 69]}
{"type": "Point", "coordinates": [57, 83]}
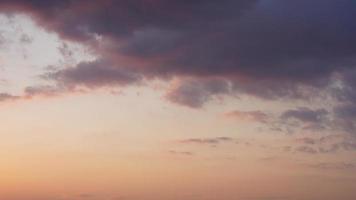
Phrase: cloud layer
{"type": "Point", "coordinates": [266, 49]}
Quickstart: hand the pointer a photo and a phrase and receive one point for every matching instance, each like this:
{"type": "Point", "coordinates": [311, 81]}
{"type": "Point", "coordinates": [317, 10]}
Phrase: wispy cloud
{"type": "Point", "coordinates": [253, 116]}
{"type": "Point", "coordinates": [184, 153]}
{"type": "Point", "coordinates": [332, 166]}
{"type": "Point", "coordinates": [212, 141]}
{"type": "Point", "coordinates": [7, 97]}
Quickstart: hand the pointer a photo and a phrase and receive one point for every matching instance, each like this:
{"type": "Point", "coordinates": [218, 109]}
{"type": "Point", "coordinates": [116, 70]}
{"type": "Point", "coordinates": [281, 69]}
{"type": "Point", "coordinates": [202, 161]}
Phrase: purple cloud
{"type": "Point", "coordinates": [270, 50]}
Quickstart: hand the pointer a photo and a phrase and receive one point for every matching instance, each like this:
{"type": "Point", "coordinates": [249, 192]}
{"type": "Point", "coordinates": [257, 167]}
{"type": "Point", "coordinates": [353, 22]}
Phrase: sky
{"type": "Point", "coordinates": [177, 100]}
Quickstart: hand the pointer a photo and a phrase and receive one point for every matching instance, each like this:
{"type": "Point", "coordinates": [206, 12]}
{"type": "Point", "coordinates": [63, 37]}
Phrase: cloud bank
{"type": "Point", "coordinates": [273, 50]}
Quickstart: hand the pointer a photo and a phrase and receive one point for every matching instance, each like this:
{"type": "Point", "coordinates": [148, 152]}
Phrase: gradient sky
{"type": "Point", "coordinates": [177, 100]}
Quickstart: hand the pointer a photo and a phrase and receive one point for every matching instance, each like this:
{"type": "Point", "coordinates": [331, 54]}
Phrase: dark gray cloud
{"type": "Point", "coordinates": [268, 49]}
{"type": "Point", "coordinates": [346, 117]}
{"type": "Point", "coordinates": [302, 119]}
{"type": "Point", "coordinates": [79, 19]}
{"type": "Point", "coordinates": [194, 93]}
{"type": "Point", "coordinates": [306, 115]}
{"type": "Point", "coordinates": [94, 74]}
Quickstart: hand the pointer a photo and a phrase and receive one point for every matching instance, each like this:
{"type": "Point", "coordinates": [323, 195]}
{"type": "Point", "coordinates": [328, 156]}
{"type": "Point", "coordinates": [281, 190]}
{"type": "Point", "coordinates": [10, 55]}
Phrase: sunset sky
{"type": "Point", "coordinates": [178, 100]}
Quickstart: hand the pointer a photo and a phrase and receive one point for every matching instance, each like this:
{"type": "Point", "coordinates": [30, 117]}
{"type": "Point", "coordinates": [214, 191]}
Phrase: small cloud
{"type": "Point", "coordinates": [306, 140]}
{"type": "Point", "coordinates": [94, 74]}
{"type": "Point", "coordinates": [253, 116]}
{"type": "Point", "coordinates": [194, 93]}
{"type": "Point", "coordinates": [42, 90]}
{"type": "Point", "coordinates": [307, 115]}
{"type": "Point", "coordinates": [185, 153]}
{"type": "Point", "coordinates": [305, 149]}
{"type": "Point", "coordinates": [333, 166]}
{"type": "Point", "coordinates": [211, 141]}
{"type": "Point", "coordinates": [7, 97]}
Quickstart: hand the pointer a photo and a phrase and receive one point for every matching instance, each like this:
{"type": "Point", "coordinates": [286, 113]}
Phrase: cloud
{"type": "Point", "coordinates": [306, 115]}
{"type": "Point", "coordinates": [290, 120]}
{"type": "Point", "coordinates": [212, 141]}
{"type": "Point", "coordinates": [333, 166]}
{"type": "Point", "coordinates": [306, 140]}
{"type": "Point", "coordinates": [7, 97]}
{"type": "Point", "coordinates": [301, 119]}
{"type": "Point", "coordinates": [305, 149]}
{"type": "Point", "coordinates": [42, 90]}
{"type": "Point", "coordinates": [25, 39]}
{"type": "Point", "coordinates": [346, 115]}
{"type": "Point", "coordinates": [184, 153]}
{"type": "Point", "coordinates": [328, 144]}
{"type": "Point", "coordinates": [253, 116]}
{"type": "Point", "coordinates": [194, 93]}
{"type": "Point", "coordinates": [80, 19]}
{"type": "Point", "coordinates": [270, 50]}
{"type": "Point", "coordinates": [94, 74]}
